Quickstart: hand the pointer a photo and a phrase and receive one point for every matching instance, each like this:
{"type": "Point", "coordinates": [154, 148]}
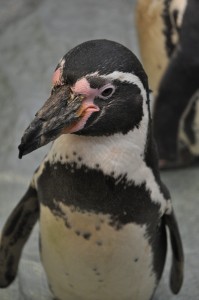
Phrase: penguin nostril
{"type": "Point", "coordinates": [55, 88]}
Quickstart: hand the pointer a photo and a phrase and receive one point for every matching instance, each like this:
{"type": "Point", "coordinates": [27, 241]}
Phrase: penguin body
{"type": "Point", "coordinates": [110, 240]}
{"type": "Point", "coordinates": [170, 44]}
{"type": "Point", "coordinates": [103, 209]}
{"type": "Point", "coordinates": [150, 27]}
{"type": "Point", "coordinates": [158, 26]}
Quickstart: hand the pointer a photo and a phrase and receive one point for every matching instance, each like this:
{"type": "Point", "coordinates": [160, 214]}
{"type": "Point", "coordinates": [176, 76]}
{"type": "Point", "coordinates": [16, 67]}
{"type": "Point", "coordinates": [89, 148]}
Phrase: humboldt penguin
{"type": "Point", "coordinates": [102, 207]}
{"type": "Point", "coordinates": [168, 39]}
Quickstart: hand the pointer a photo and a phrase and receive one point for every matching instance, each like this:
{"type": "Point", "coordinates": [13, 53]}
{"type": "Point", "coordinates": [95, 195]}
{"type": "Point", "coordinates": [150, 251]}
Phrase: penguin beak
{"type": "Point", "coordinates": [61, 113]}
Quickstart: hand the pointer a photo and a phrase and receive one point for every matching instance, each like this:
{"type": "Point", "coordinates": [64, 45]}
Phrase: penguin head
{"type": "Point", "coordinates": [99, 88]}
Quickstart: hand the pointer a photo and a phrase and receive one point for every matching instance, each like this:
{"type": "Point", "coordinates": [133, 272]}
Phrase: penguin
{"type": "Point", "coordinates": [101, 205]}
{"type": "Point", "coordinates": [167, 35]}
{"type": "Point", "coordinates": [158, 24]}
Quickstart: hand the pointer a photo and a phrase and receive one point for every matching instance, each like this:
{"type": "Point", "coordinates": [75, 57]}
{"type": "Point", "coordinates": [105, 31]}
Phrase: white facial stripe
{"type": "Point", "coordinates": [127, 77]}
{"type": "Point", "coordinates": [62, 62]}
{"type": "Point", "coordinates": [123, 77]}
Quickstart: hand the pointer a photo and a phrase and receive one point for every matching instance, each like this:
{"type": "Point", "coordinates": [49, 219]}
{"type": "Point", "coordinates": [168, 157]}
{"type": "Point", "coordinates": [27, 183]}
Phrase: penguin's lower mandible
{"type": "Point", "coordinates": [101, 205]}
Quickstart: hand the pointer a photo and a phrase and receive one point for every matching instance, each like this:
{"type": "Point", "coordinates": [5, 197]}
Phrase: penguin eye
{"type": "Point", "coordinates": [107, 91]}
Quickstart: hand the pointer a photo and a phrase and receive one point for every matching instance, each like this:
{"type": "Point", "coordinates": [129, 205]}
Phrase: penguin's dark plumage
{"type": "Point", "coordinates": [158, 24]}
{"type": "Point", "coordinates": [175, 98]}
{"type": "Point", "coordinates": [173, 76]}
{"type": "Point", "coordinates": [102, 207]}
{"type": "Point", "coordinates": [15, 234]}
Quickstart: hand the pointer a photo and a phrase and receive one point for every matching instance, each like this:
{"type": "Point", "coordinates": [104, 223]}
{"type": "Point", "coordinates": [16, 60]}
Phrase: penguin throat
{"type": "Point", "coordinates": [113, 153]}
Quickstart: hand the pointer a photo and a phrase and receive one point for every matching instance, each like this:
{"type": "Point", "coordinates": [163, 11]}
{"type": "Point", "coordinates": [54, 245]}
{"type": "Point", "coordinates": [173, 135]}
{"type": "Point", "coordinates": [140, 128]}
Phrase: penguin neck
{"type": "Point", "coordinates": [111, 154]}
{"type": "Point", "coordinates": [119, 156]}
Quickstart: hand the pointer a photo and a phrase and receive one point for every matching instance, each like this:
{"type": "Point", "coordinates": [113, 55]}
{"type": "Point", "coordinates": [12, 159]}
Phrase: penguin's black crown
{"type": "Point", "coordinates": [103, 56]}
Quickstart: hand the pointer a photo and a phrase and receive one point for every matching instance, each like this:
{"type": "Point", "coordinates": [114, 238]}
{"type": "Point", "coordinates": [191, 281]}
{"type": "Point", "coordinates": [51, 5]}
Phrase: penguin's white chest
{"type": "Point", "coordinates": [86, 258]}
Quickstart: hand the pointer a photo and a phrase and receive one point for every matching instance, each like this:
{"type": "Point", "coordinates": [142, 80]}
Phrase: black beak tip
{"type": "Point", "coordinates": [21, 151]}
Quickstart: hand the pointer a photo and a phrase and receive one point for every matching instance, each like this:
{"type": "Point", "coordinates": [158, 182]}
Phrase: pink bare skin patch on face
{"type": "Point", "coordinates": [56, 79]}
{"type": "Point", "coordinates": [82, 87]}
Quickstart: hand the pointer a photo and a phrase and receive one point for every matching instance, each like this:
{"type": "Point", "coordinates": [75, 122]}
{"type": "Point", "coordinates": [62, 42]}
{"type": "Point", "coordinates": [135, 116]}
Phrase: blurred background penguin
{"type": "Point", "coordinates": [168, 36]}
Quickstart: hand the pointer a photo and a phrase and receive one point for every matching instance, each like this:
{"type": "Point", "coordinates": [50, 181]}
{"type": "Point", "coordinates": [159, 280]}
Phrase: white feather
{"type": "Point", "coordinates": [81, 269]}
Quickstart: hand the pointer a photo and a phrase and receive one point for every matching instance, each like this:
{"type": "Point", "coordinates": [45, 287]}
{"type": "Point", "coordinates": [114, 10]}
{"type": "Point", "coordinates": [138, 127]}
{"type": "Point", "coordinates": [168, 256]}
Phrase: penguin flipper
{"type": "Point", "coordinates": [177, 268]}
{"type": "Point", "coordinates": [15, 233]}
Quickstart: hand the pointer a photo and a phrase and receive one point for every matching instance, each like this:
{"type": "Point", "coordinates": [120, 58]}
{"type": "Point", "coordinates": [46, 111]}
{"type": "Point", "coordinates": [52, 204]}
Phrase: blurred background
{"type": "Point", "coordinates": [34, 35]}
